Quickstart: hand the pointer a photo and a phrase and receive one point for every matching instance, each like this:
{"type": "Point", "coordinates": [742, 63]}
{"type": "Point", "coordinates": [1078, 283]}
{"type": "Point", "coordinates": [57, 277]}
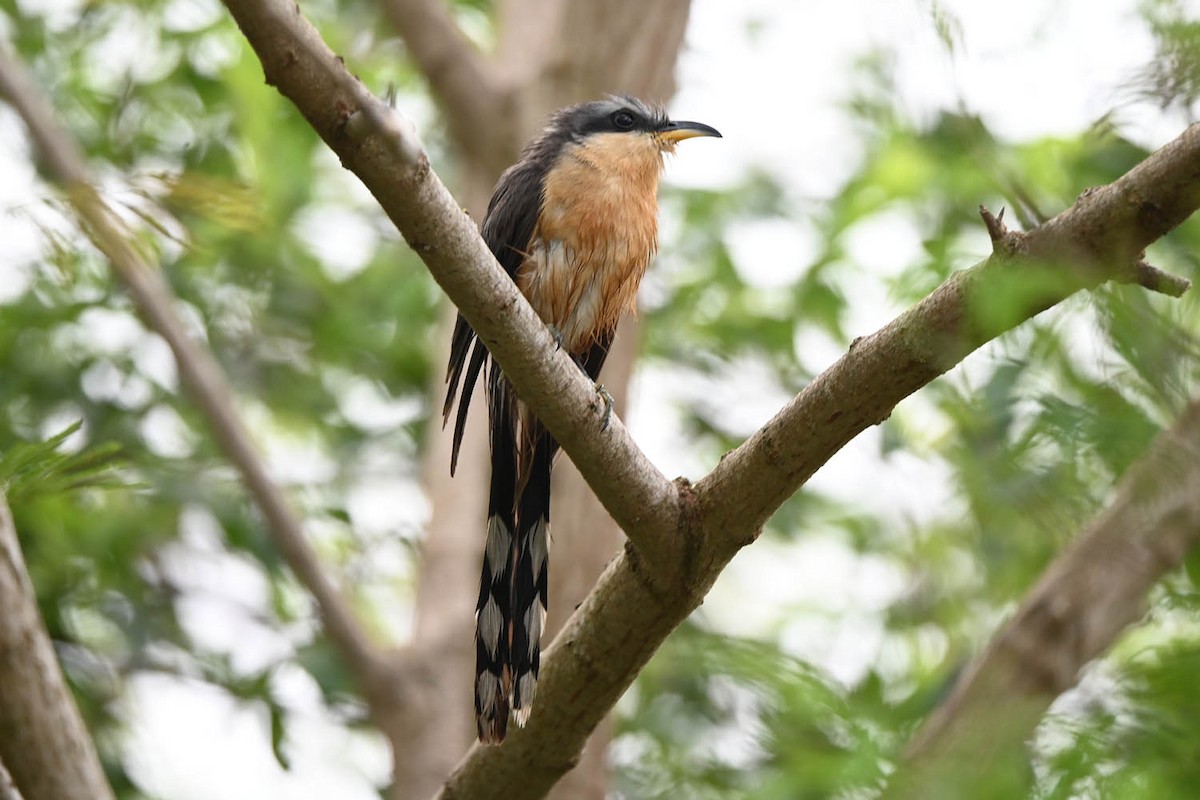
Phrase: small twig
{"type": "Point", "coordinates": [996, 228]}
{"type": "Point", "coordinates": [380, 118]}
{"type": "Point", "coordinates": [1005, 243]}
{"type": "Point", "coordinates": [1156, 280]}
{"type": "Point", "coordinates": [202, 375]}
{"type": "Point", "coordinates": [1141, 273]}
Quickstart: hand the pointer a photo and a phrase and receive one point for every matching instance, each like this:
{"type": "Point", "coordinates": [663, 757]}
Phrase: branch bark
{"type": "Point", "coordinates": [201, 374]}
{"type": "Point", "coordinates": [1092, 591]}
{"type": "Point", "coordinates": [683, 537]}
{"type": "Point", "coordinates": [42, 737]}
{"type": "Point", "coordinates": [1099, 238]}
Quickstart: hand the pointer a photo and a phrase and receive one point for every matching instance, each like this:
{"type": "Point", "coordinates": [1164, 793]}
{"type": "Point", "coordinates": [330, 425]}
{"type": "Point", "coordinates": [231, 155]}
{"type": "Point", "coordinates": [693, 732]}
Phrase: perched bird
{"type": "Point", "coordinates": [574, 223]}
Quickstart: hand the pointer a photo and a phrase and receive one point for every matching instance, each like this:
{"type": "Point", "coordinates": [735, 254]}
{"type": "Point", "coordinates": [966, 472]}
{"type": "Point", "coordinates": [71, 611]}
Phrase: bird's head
{"type": "Point", "coordinates": [616, 132]}
{"type": "Point", "coordinates": [628, 118]}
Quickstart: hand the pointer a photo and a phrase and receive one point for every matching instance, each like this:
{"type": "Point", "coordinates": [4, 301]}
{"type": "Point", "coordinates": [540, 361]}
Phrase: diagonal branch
{"type": "Point", "coordinates": [1083, 601]}
{"type": "Point", "coordinates": [201, 374]}
{"type": "Point", "coordinates": [1099, 238]}
{"type": "Point", "coordinates": [42, 737]}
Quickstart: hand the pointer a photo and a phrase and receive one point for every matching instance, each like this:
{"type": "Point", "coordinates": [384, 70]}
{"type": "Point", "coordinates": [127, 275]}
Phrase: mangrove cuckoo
{"type": "Point", "coordinates": [574, 224]}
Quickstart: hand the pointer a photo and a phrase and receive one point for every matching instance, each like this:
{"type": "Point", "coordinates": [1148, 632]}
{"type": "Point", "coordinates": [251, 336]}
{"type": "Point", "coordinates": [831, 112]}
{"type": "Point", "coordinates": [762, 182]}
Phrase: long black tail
{"type": "Point", "coordinates": [493, 610]}
{"type": "Point", "coordinates": [511, 609]}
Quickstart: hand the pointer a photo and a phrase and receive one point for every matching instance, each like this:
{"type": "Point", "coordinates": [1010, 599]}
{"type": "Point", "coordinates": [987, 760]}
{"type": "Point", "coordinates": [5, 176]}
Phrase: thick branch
{"type": "Point", "coordinates": [384, 152]}
{"type": "Point", "coordinates": [42, 737]}
{"type": "Point", "coordinates": [201, 374]}
{"type": "Point", "coordinates": [1099, 238]}
{"type": "Point", "coordinates": [1083, 601]}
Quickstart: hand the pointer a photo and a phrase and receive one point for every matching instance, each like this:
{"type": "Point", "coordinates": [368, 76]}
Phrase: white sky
{"type": "Point", "coordinates": [1028, 67]}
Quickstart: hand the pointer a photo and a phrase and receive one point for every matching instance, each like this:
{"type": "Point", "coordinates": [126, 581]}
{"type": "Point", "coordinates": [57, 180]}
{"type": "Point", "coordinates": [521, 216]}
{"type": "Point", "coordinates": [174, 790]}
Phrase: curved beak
{"type": "Point", "coordinates": [678, 130]}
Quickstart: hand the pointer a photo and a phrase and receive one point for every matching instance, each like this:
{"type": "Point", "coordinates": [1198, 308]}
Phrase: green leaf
{"type": "Point", "coordinates": [29, 469]}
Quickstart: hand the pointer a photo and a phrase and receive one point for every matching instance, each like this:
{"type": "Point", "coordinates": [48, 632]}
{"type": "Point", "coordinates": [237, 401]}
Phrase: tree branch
{"type": "Point", "coordinates": [42, 737]}
{"type": "Point", "coordinates": [1099, 238]}
{"type": "Point", "coordinates": [1154, 279]}
{"type": "Point", "coordinates": [1139, 273]}
{"type": "Point", "coordinates": [1083, 601]}
{"type": "Point", "coordinates": [201, 374]}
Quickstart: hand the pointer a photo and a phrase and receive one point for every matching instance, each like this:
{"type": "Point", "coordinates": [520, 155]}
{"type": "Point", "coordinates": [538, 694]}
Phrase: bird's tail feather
{"type": "Point", "coordinates": [529, 593]}
{"type": "Point", "coordinates": [493, 610]}
{"type": "Point", "coordinates": [511, 610]}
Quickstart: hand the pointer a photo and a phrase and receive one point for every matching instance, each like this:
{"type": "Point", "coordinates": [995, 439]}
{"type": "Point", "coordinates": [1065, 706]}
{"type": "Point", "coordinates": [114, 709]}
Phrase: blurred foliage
{"type": "Point", "coordinates": [720, 717]}
{"type": "Point", "coordinates": [1172, 78]}
{"type": "Point", "coordinates": [328, 341]}
{"type": "Point", "coordinates": [28, 469]}
{"type": "Point", "coordinates": [327, 324]}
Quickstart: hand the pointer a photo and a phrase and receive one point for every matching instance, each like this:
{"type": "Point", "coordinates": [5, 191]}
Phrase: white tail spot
{"type": "Point", "coordinates": [535, 619]}
{"type": "Point", "coordinates": [523, 700]}
{"type": "Point", "coordinates": [487, 689]}
{"type": "Point", "coordinates": [499, 540]}
{"type": "Point", "coordinates": [488, 622]}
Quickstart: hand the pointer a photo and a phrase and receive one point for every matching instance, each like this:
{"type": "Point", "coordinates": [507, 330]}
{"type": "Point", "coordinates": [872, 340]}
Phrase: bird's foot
{"type": "Point", "coordinates": [608, 406]}
{"type": "Point", "coordinates": [557, 335]}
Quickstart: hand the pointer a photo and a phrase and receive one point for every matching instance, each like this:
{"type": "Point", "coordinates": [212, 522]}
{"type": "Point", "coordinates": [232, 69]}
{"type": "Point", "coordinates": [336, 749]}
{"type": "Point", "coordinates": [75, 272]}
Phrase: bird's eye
{"type": "Point", "coordinates": [623, 120]}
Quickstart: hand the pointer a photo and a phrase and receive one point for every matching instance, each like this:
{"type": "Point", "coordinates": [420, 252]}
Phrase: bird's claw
{"type": "Point", "coordinates": [557, 335]}
{"type": "Point", "coordinates": [606, 418]}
